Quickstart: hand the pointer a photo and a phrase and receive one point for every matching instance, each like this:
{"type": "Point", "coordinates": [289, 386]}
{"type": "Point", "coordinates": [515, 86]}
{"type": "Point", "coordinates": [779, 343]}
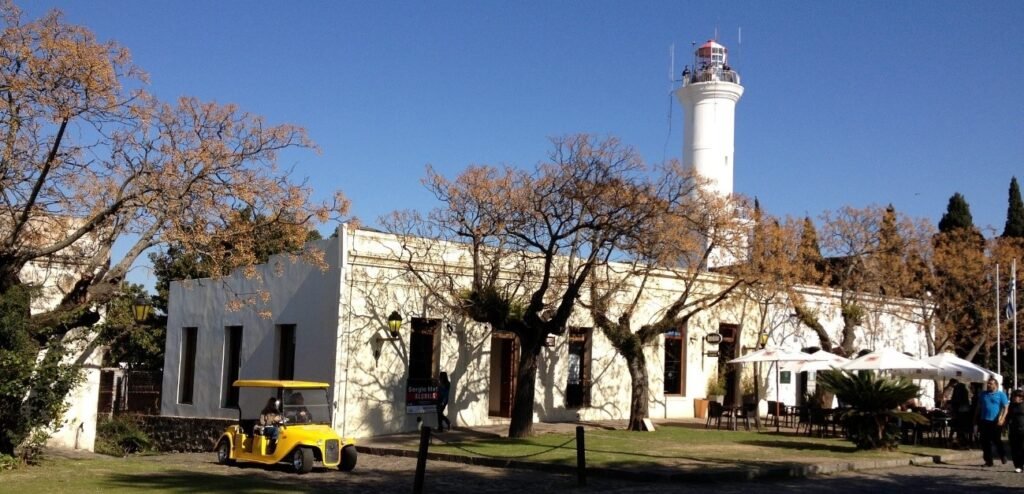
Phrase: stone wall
{"type": "Point", "coordinates": [183, 434]}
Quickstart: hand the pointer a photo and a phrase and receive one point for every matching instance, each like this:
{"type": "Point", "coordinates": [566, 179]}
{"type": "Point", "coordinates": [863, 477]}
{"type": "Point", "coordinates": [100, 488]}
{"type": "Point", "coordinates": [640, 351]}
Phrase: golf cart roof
{"type": "Point", "coordinates": [269, 383]}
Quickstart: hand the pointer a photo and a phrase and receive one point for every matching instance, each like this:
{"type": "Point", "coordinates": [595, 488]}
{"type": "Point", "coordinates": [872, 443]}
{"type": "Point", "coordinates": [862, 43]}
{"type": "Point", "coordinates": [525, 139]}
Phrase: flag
{"type": "Point", "coordinates": [1011, 299]}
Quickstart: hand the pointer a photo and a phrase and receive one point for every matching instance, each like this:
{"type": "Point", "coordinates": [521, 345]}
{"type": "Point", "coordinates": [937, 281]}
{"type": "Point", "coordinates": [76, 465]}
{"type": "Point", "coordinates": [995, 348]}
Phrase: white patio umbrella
{"type": "Point", "coordinates": [948, 365]}
{"type": "Point", "coordinates": [773, 355]}
{"type": "Point", "coordinates": [889, 359]}
{"type": "Point", "coordinates": [822, 361]}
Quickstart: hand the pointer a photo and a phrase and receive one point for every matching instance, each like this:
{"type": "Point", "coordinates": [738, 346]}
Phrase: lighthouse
{"type": "Point", "coordinates": [709, 93]}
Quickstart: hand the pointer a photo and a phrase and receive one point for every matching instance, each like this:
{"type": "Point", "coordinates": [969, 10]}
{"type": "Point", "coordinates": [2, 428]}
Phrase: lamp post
{"type": "Point", "coordinates": [141, 308]}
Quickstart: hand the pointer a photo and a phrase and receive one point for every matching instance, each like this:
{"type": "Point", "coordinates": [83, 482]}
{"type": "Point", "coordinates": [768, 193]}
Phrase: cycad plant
{"type": "Point", "coordinates": [873, 420]}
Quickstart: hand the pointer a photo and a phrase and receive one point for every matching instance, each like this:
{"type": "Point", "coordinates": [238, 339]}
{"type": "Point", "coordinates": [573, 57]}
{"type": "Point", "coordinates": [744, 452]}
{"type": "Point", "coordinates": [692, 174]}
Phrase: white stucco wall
{"type": "Point", "coordinates": [338, 312]}
{"type": "Point", "coordinates": [55, 276]}
{"type": "Point", "coordinates": [297, 292]}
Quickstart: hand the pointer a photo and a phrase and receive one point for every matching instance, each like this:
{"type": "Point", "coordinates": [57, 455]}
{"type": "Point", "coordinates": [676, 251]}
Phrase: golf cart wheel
{"type": "Point", "coordinates": [224, 453]}
{"type": "Point", "coordinates": [349, 455]}
{"type": "Point", "coordinates": [302, 460]}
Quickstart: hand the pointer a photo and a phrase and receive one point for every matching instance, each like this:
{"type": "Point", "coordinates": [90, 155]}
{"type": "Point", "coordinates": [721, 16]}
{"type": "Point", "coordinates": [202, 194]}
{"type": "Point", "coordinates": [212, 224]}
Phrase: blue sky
{"type": "Point", "coordinates": [846, 102]}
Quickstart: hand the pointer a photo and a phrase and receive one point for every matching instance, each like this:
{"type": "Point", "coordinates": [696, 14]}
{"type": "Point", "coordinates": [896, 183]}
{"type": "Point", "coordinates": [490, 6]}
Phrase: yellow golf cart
{"type": "Point", "coordinates": [305, 438]}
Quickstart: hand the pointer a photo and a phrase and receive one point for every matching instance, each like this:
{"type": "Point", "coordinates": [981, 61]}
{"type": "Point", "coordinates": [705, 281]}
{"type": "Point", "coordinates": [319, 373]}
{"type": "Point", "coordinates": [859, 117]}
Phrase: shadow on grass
{"type": "Point", "coordinates": [801, 446]}
{"type": "Point", "coordinates": [186, 482]}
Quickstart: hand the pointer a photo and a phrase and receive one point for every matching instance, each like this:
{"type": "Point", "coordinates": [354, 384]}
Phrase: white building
{"type": "Point", "coordinates": [329, 324]}
{"type": "Point", "coordinates": [55, 275]}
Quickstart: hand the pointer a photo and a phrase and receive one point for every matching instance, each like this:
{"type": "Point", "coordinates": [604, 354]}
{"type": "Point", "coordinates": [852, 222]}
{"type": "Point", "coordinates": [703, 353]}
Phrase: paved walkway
{"type": "Point", "coordinates": [680, 469]}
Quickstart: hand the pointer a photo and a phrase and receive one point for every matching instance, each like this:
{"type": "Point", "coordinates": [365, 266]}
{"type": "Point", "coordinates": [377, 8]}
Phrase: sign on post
{"type": "Point", "coordinates": [713, 338]}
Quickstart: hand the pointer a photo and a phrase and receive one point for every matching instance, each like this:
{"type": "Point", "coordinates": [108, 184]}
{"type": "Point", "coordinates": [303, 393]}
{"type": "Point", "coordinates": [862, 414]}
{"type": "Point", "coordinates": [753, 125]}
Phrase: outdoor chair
{"type": "Point", "coordinates": [715, 412]}
{"type": "Point", "coordinates": [744, 413]}
{"type": "Point", "coordinates": [774, 410]}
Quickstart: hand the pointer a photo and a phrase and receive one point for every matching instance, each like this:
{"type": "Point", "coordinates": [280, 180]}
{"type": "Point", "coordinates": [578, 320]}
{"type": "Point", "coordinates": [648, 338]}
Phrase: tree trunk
{"type": "Point", "coordinates": [638, 401]}
{"type": "Point", "coordinates": [526, 380]}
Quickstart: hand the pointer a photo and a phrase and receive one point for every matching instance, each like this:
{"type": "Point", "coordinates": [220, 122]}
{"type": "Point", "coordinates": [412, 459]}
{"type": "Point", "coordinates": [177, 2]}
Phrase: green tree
{"type": "Point", "coordinates": [1014, 213]}
{"type": "Point", "coordinates": [138, 344]}
{"type": "Point", "coordinates": [32, 383]}
{"type": "Point", "coordinates": [957, 216]}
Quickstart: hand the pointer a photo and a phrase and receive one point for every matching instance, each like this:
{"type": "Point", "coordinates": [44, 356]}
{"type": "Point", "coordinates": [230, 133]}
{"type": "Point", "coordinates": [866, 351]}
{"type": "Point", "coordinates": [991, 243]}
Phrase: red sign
{"type": "Point", "coordinates": [421, 399]}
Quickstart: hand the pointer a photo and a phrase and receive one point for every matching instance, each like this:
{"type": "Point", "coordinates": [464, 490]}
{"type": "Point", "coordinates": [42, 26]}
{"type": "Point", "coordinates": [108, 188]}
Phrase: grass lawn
{"type": "Point", "coordinates": [680, 447]}
{"type": "Point", "coordinates": [676, 446]}
{"type": "Point", "coordinates": [133, 474]}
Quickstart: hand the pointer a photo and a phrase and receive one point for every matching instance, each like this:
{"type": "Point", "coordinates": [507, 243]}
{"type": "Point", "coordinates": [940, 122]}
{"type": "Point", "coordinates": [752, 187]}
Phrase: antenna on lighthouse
{"type": "Point", "coordinates": [739, 46]}
{"type": "Point", "coordinates": [671, 83]}
{"type": "Point", "coordinates": [671, 65]}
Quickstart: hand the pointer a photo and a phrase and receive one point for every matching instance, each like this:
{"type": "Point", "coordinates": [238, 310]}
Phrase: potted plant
{"type": "Point", "coordinates": [716, 388]}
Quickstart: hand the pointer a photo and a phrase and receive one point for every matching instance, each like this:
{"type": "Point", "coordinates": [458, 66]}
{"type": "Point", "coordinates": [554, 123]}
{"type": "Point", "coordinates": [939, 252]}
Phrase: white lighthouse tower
{"type": "Point", "coordinates": [709, 94]}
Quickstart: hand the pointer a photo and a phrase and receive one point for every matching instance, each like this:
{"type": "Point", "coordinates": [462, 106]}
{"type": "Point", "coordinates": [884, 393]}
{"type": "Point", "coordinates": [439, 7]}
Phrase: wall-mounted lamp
{"type": "Point", "coordinates": [394, 323]}
{"type": "Point", "coordinates": [377, 342]}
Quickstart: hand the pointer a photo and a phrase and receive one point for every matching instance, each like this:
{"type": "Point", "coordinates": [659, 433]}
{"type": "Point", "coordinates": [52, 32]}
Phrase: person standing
{"type": "Point", "coordinates": [960, 410]}
{"type": "Point", "coordinates": [444, 386]}
{"type": "Point", "coordinates": [991, 415]}
{"type": "Point", "coordinates": [1015, 419]}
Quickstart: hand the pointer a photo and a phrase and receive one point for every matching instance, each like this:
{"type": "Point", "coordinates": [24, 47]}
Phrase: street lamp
{"type": "Point", "coordinates": [762, 340]}
{"type": "Point", "coordinates": [394, 323]}
{"type": "Point", "coordinates": [141, 308]}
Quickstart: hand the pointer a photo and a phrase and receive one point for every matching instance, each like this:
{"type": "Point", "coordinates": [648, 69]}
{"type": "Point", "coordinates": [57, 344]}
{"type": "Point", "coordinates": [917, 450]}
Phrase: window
{"type": "Point", "coordinates": [286, 352]}
{"type": "Point", "coordinates": [675, 363]}
{"type": "Point", "coordinates": [187, 371]}
{"type": "Point", "coordinates": [423, 350]}
{"type": "Point", "coordinates": [232, 363]}
{"type": "Point", "coordinates": [577, 389]}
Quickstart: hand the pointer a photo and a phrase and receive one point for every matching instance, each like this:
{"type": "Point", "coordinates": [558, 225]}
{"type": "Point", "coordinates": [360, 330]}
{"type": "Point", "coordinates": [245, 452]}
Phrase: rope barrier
{"type": "Point", "coordinates": [456, 446]}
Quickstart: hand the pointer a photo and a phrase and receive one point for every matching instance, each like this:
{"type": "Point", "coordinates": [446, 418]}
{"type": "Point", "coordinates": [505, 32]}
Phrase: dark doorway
{"type": "Point", "coordinates": [504, 365]}
{"type": "Point", "coordinates": [232, 363]}
{"type": "Point", "coordinates": [577, 389]}
{"type": "Point", "coordinates": [727, 352]}
{"type": "Point", "coordinates": [286, 352]}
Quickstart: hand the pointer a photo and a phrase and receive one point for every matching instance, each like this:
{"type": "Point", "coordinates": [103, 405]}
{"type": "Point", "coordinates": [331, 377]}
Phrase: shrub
{"type": "Point", "coordinates": [873, 419]}
{"type": "Point", "coordinates": [716, 385]}
{"type": "Point", "coordinates": [120, 436]}
{"type": "Point", "coordinates": [8, 462]}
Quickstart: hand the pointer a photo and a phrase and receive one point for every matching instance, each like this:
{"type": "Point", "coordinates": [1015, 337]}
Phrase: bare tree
{"type": "Point", "coordinates": [674, 242]}
{"type": "Point", "coordinates": [515, 248]}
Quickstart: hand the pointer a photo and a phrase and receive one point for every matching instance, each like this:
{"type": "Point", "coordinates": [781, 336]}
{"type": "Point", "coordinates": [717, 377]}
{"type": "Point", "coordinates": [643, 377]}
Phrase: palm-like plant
{"type": "Point", "coordinates": [873, 419]}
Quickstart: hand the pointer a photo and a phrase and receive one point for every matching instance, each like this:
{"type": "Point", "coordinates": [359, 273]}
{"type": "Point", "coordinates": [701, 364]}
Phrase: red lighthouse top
{"type": "Point", "coordinates": [712, 54]}
{"type": "Point", "coordinates": [711, 64]}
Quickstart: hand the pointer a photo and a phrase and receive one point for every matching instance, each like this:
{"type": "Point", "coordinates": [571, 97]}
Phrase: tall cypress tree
{"type": "Point", "coordinates": [889, 258]}
{"type": "Point", "coordinates": [811, 261]}
{"type": "Point", "coordinates": [1014, 213]}
{"type": "Point", "coordinates": [958, 215]}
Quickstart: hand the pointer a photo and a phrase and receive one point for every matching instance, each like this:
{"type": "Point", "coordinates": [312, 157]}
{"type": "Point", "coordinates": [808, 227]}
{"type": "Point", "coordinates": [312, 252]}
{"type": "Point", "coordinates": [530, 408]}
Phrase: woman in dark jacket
{"type": "Point", "coordinates": [1015, 422]}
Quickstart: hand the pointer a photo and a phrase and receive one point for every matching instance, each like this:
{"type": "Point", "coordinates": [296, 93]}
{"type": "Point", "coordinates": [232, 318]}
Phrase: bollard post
{"type": "Point", "coordinates": [581, 458]}
{"type": "Point", "coordinates": [421, 460]}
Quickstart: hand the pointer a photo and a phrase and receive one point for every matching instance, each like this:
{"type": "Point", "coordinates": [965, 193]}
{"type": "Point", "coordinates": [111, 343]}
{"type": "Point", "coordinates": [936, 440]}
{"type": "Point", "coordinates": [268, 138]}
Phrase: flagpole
{"type": "Point", "coordinates": [1013, 290]}
{"type": "Point", "coordinates": [999, 332]}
